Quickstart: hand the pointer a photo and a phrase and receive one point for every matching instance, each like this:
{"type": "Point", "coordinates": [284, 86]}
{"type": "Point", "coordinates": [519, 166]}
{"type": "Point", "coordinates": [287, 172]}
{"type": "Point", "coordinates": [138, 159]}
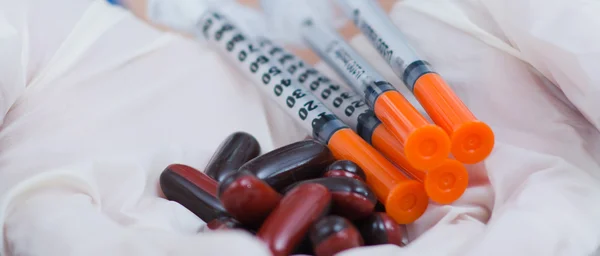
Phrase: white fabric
{"type": "Point", "coordinates": [98, 104]}
{"type": "Point", "coordinates": [94, 115]}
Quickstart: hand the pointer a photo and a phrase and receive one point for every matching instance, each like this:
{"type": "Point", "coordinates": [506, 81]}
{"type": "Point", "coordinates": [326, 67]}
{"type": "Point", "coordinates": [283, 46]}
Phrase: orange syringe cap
{"type": "Point", "coordinates": [472, 140]}
{"type": "Point", "coordinates": [447, 182]}
{"type": "Point", "coordinates": [444, 184]}
{"type": "Point", "coordinates": [426, 145]}
{"type": "Point", "coordinates": [405, 200]}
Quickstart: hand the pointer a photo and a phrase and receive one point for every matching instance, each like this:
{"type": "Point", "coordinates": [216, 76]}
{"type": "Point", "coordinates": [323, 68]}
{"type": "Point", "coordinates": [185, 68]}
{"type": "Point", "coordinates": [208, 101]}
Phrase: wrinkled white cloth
{"type": "Point", "coordinates": [97, 104]}
{"type": "Point", "coordinates": [94, 104]}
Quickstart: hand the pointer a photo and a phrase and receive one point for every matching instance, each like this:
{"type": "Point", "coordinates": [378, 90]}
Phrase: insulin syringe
{"type": "Point", "coordinates": [425, 144]}
{"type": "Point", "coordinates": [444, 184]}
{"type": "Point", "coordinates": [405, 199]}
{"type": "Point", "coordinates": [471, 140]}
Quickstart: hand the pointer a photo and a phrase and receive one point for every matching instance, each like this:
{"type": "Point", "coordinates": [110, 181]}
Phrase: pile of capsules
{"type": "Point", "coordinates": [297, 199]}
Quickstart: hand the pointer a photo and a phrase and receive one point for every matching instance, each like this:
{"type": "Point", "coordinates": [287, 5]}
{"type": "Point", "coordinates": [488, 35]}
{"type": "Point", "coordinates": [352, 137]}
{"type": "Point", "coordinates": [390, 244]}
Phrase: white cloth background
{"type": "Point", "coordinates": [95, 112]}
{"type": "Point", "coordinates": [94, 105]}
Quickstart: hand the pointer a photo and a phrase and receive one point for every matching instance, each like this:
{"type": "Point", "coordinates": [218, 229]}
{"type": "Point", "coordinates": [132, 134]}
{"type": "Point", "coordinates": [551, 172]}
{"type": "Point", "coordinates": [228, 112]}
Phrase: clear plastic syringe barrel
{"type": "Point", "coordinates": [346, 104]}
{"type": "Point", "coordinates": [390, 44]}
{"type": "Point", "coordinates": [268, 75]}
{"type": "Point", "coordinates": [426, 145]}
{"type": "Point", "coordinates": [355, 70]}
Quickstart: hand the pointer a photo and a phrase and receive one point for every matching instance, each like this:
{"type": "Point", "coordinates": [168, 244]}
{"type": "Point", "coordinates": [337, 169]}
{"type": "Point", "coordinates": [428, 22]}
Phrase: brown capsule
{"type": "Point", "coordinates": [237, 149]}
{"type": "Point", "coordinates": [247, 198]}
{"type": "Point", "coordinates": [193, 189]}
{"type": "Point", "coordinates": [295, 162]}
{"type": "Point", "coordinates": [334, 234]}
{"type": "Point", "coordinates": [224, 223]}
{"type": "Point", "coordinates": [351, 198]}
{"type": "Point", "coordinates": [340, 173]}
{"type": "Point", "coordinates": [287, 225]}
{"type": "Point", "coordinates": [379, 228]}
{"type": "Point", "coordinates": [345, 168]}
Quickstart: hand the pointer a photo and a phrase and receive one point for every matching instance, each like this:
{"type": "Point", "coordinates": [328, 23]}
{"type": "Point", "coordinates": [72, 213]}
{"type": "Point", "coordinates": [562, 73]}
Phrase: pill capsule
{"type": "Point", "coordinates": [345, 168]}
{"type": "Point", "coordinates": [334, 234]}
{"type": "Point", "coordinates": [224, 223]}
{"type": "Point", "coordinates": [247, 198]}
{"type": "Point", "coordinates": [287, 225]}
{"type": "Point", "coordinates": [351, 198]}
{"type": "Point", "coordinates": [237, 149]}
{"type": "Point", "coordinates": [379, 228]}
{"type": "Point", "coordinates": [291, 163]}
{"type": "Point", "coordinates": [192, 189]}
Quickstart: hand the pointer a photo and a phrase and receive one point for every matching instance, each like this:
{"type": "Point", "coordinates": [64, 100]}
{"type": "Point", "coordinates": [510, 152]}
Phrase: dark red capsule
{"type": "Point", "coordinates": [352, 199]}
{"type": "Point", "coordinates": [287, 225]}
{"type": "Point", "coordinates": [340, 173]}
{"type": "Point", "coordinates": [288, 164]}
{"type": "Point", "coordinates": [237, 149]}
{"type": "Point", "coordinates": [224, 223]}
{"type": "Point", "coordinates": [247, 198]}
{"type": "Point", "coordinates": [193, 189]}
{"type": "Point", "coordinates": [334, 234]}
{"type": "Point", "coordinates": [379, 228]}
{"type": "Point", "coordinates": [345, 168]}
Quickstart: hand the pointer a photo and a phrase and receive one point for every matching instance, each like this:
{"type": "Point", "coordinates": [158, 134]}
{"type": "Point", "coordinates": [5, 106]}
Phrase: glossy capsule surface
{"type": "Point", "coordinates": [351, 198]}
{"type": "Point", "coordinates": [345, 168]}
{"type": "Point", "coordinates": [237, 149]}
{"type": "Point", "coordinates": [224, 223]}
{"type": "Point", "coordinates": [334, 234]}
{"type": "Point", "coordinates": [288, 224]}
{"type": "Point", "coordinates": [379, 228]}
{"type": "Point", "coordinates": [247, 198]}
{"type": "Point", "coordinates": [193, 189]}
{"type": "Point", "coordinates": [298, 161]}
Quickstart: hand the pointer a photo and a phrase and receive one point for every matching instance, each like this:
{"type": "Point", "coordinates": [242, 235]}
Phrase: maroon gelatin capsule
{"type": "Point", "coordinates": [334, 234]}
{"type": "Point", "coordinates": [287, 225]}
{"type": "Point", "coordinates": [352, 198]}
{"type": "Point", "coordinates": [345, 168]}
{"type": "Point", "coordinates": [224, 223]}
{"type": "Point", "coordinates": [379, 228]}
{"type": "Point", "coordinates": [288, 164]}
{"type": "Point", "coordinates": [193, 189]}
{"type": "Point", "coordinates": [237, 149]}
{"type": "Point", "coordinates": [247, 198]}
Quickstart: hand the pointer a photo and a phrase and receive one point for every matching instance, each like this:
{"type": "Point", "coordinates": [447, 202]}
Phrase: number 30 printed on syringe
{"type": "Point", "coordinates": [248, 53]}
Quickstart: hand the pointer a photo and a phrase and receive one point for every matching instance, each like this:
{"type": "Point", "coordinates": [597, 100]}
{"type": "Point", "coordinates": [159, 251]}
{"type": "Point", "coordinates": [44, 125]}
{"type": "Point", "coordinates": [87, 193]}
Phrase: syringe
{"type": "Point", "coordinates": [426, 145]}
{"type": "Point", "coordinates": [444, 184]}
{"type": "Point", "coordinates": [405, 199]}
{"type": "Point", "coordinates": [471, 140]}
